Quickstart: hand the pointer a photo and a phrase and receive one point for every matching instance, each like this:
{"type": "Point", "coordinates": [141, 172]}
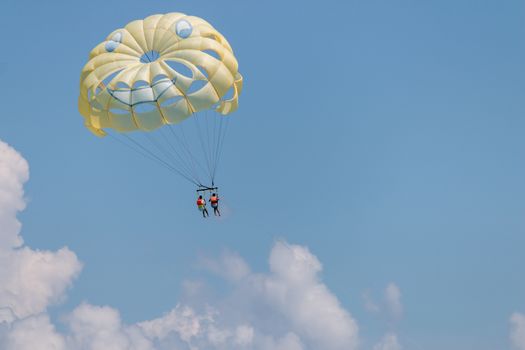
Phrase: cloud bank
{"type": "Point", "coordinates": [286, 308]}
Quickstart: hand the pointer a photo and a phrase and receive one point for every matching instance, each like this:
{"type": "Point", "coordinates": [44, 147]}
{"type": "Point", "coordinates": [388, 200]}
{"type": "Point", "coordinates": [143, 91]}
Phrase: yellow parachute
{"type": "Point", "coordinates": [158, 72]}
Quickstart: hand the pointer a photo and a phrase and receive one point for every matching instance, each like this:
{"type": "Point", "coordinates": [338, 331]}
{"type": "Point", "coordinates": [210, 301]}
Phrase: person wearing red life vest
{"type": "Point", "coordinates": [201, 205]}
{"type": "Point", "coordinates": [214, 201]}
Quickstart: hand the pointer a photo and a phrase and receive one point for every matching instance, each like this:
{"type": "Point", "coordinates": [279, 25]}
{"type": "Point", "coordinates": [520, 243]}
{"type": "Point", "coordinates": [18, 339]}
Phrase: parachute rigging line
{"type": "Point", "coordinates": [188, 165]}
{"type": "Point", "coordinates": [150, 155]}
{"type": "Point", "coordinates": [220, 145]}
{"type": "Point", "coordinates": [184, 144]}
{"type": "Point", "coordinates": [166, 154]}
{"type": "Point", "coordinates": [203, 147]}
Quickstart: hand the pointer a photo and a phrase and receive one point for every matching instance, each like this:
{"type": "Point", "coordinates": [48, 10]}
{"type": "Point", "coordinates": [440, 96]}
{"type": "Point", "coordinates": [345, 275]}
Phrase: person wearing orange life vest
{"type": "Point", "coordinates": [214, 201]}
{"type": "Point", "coordinates": [201, 205]}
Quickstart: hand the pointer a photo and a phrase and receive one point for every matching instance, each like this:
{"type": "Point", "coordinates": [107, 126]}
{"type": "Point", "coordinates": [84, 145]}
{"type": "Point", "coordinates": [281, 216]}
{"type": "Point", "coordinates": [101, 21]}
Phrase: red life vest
{"type": "Point", "coordinates": [200, 202]}
{"type": "Point", "coordinates": [214, 200]}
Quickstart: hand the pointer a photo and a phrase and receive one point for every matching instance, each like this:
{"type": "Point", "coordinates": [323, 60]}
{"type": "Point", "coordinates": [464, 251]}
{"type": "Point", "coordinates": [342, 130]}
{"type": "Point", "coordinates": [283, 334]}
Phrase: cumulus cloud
{"type": "Point", "coordinates": [229, 266]}
{"type": "Point", "coordinates": [14, 172]}
{"type": "Point", "coordinates": [181, 320]}
{"type": "Point", "coordinates": [97, 328]}
{"type": "Point", "coordinates": [517, 331]}
{"type": "Point", "coordinates": [290, 341]}
{"type": "Point", "coordinates": [35, 332]}
{"type": "Point", "coordinates": [315, 313]}
{"type": "Point", "coordinates": [244, 335]}
{"type": "Point", "coordinates": [30, 280]}
{"type": "Point", "coordinates": [286, 308]}
{"type": "Point", "coordinates": [389, 342]}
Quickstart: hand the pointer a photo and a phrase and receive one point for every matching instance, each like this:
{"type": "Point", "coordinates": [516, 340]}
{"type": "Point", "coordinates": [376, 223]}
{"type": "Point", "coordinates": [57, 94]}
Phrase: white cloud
{"type": "Point", "coordinates": [229, 266]}
{"type": "Point", "coordinates": [393, 300]}
{"type": "Point", "coordinates": [244, 335]}
{"type": "Point", "coordinates": [294, 288]}
{"type": "Point", "coordinates": [286, 308]}
{"type": "Point", "coordinates": [182, 320]}
{"type": "Point", "coordinates": [100, 328]}
{"type": "Point", "coordinates": [289, 341]}
{"type": "Point", "coordinates": [517, 331]}
{"type": "Point", "coordinates": [35, 332]}
{"type": "Point", "coordinates": [389, 342]}
{"type": "Point", "coordinates": [29, 280]}
{"type": "Point", "coordinates": [14, 172]}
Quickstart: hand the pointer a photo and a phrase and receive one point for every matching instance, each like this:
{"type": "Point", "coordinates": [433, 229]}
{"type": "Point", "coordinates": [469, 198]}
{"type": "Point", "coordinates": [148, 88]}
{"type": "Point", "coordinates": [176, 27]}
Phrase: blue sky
{"type": "Point", "coordinates": [385, 136]}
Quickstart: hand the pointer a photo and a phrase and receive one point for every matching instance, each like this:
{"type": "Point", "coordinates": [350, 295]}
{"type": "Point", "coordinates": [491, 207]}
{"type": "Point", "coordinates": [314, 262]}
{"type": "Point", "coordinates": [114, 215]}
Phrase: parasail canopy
{"type": "Point", "coordinates": [158, 71]}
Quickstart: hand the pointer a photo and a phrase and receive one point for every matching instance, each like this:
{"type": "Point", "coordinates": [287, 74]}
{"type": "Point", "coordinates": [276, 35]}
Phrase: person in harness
{"type": "Point", "coordinates": [201, 205]}
{"type": "Point", "coordinates": [214, 201]}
